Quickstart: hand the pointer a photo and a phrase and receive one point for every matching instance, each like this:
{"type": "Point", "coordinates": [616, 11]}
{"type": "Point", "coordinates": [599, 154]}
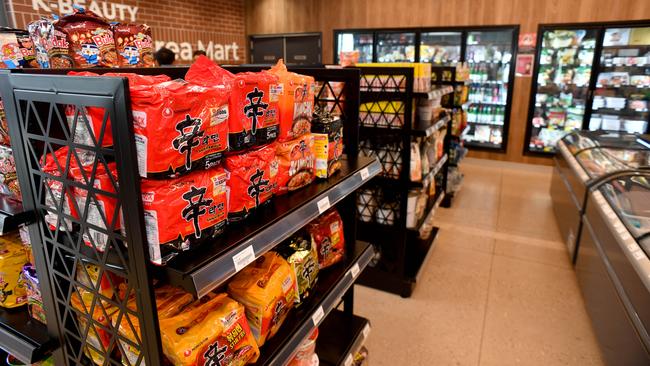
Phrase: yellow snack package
{"type": "Point", "coordinates": [98, 339]}
{"type": "Point", "coordinates": [213, 332]}
{"type": "Point", "coordinates": [267, 289]}
{"type": "Point", "coordinates": [12, 259]}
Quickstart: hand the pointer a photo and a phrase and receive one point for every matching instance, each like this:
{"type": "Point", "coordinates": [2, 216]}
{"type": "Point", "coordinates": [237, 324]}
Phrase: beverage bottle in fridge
{"type": "Point", "coordinates": [495, 94]}
{"type": "Point", "coordinates": [470, 113]}
{"type": "Point", "coordinates": [485, 73]}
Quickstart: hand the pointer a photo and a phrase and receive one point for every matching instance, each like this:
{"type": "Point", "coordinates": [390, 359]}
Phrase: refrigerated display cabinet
{"type": "Point", "coordinates": [613, 267]}
{"type": "Point", "coordinates": [588, 76]}
{"type": "Point", "coordinates": [395, 46]}
{"type": "Point", "coordinates": [441, 48]}
{"type": "Point", "coordinates": [584, 160]}
{"type": "Point", "coordinates": [355, 41]}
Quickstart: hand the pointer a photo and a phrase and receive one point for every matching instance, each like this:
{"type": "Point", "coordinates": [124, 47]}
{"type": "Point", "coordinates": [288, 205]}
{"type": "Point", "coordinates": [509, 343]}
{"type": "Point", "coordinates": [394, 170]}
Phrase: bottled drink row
{"type": "Point", "coordinates": [494, 93]}
{"type": "Point", "coordinates": [488, 114]}
{"type": "Point", "coordinates": [484, 72]}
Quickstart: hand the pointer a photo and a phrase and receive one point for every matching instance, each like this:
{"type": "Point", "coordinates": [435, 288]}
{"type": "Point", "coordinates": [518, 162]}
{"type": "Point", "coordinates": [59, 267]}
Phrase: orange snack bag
{"type": "Point", "coordinates": [267, 289]}
{"type": "Point", "coordinates": [295, 101]}
{"type": "Point", "coordinates": [212, 332]}
{"type": "Point", "coordinates": [98, 339]}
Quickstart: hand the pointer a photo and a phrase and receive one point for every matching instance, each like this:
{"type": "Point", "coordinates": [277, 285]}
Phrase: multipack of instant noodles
{"type": "Point", "coordinates": [327, 234]}
{"type": "Point", "coordinates": [89, 41]}
{"type": "Point", "coordinates": [56, 195]}
{"type": "Point", "coordinates": [16, 49]}
{"type": "Point", "coordinates": [213, 332]}
{"type": "Point", "coordinates": [12, 259]}
{"type": "Point", "coordinates": [134, 45]}
{"type": "Point", "coordinates": [181, 211]}
{"type": "Point", "coordinates": [178, 126]}
{"type": "Point", "coordinates": [295, 101]}
{"type": "Point", "coordinates": [253, 119]}
{"type": "Point", "coordinates": [267, 289]}
{"type": "Point", "coordinates": [295, 164]}
{"type": "Point", "coordinates": [252, 179]}
{"type": "Point", "coordinates": [33, 290]}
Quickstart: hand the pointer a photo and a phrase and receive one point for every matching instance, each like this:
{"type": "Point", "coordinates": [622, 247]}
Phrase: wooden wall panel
{"type": "Point", "coordinates": [277, 16]}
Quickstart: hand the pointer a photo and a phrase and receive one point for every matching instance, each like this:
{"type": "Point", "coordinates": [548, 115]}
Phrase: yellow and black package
{"type": "Point", "coordinates": [169, 302]}
{"type": "Point", "coordinates": [12, 259]}
{"type": "Point", "coordinates": [267, 289]}
{"type": "Point", "coordinates": [303, 259]}
{"type": "Point", "coordinates": [213, 331]}
{"type": "Point", "coordinates": [327, 132]}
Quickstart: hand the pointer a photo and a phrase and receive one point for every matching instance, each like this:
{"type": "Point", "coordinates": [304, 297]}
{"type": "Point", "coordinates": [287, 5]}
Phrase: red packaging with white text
{"type": "Point", "coordinates": [55, 193]}
{"type": "Point", "coordinates": [101, 210]}
{"type": "Point", "coordinates": [90, 39]}
{"type": "Point", "coordinates": [251, 180]}
{"type": "Point", "coordinates": [327, 233]}
{"type": "Point", "coordinates": [184, 211]}
{"type": "Point", "coordinates": [179, 127]}
{"type": "Point", "coordinates": [295, 164]}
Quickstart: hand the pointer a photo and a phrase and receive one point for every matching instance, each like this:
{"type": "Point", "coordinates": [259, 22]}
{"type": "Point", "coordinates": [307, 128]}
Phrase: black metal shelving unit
{"type": "Point", "coordinates": [34, 102]}
{"type": "Point", "coordinates": [387, 133]}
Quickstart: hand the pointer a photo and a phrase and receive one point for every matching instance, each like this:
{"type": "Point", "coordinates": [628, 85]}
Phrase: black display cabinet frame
{"type": "Point", "coordinates": [464, 30]}
{"type": "Point", "coordinates": [600, 28]}
{"type": "Point", "coordinates": [35, 101]}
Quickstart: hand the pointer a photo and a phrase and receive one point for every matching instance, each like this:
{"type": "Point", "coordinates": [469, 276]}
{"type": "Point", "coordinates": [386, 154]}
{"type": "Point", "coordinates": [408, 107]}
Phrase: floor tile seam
{"type": "Point", "coordinates": [569, 269]}
{"type": "Point", "coordinates": [485, 311]}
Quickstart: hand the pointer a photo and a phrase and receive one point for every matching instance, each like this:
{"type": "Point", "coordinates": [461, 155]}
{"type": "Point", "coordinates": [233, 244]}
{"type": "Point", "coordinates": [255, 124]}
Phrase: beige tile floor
{"type": "Point", "coordinates": [498, 288]}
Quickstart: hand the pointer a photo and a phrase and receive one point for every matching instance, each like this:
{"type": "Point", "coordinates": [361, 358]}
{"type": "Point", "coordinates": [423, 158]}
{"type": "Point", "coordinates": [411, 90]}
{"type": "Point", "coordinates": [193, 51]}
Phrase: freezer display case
{"type": "Point", "coordinates": [395, 46]}
{"type": "Point", "coordinates": [490, 55]}
{"type": "Point", "coordinates": [613, 267]}
{"type": "Point", "coordinates": [620, 101]}
{"type": "Point", "coordinates": [561, 89]}
{"type": "Point", "coordinates": [584, 159]}
{"type": "Point", "coordinates": [441, 48]}
{"type": "Point", "coordinates": [363, 42]}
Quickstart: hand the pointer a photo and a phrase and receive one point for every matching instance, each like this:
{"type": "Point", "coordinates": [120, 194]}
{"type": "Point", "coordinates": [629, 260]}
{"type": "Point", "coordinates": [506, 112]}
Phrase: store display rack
{"type": "Point", "coordinates": [34, 106]}
{"type": "Point", "coordinates": [383, 204]}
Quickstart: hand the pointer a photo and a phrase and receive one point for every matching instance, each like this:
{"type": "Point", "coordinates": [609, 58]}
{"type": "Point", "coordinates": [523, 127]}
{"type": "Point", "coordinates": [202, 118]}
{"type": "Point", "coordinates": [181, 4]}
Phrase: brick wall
{"type": "Point", "coordinates": [180, 24]}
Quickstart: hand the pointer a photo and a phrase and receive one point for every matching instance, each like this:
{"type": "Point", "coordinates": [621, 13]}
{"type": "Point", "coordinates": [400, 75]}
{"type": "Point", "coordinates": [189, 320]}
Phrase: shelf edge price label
{"type": "Point", "coordinates": [318, 316]}
{"type": "Point", "coordinates": [348, 360]}
{"type": "Point", "coordinates": [354, 271]}
{"type": "Point", "coordinates": [366, 331]}
{"type": "Point", "coordinates": [243, 258]}
{"type": "Point", "coordinates": [323, 205]}
{"type": "Point", "coordinates": [364, 173]}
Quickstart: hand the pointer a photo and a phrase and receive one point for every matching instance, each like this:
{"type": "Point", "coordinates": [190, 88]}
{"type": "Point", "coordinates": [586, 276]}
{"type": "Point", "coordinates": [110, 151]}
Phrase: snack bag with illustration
{"type": "Point", "coordinates": [327, 234]}
{"type": "Point", "coordinates": [12, 259]}
{"type": "Point", "coordinates": [34, 298]}
{"type": "Point", "coordinates": [90, 39]}
{"type": "Point", "coordinates": [55, 164]}
{"type": "Point", "coordinates": [328, 143]}
{"type": "Point", "coordinates": [295, 101]}
{"type": "Point", "coordinates": [178, 126]}
{"type": "Point", "coordinates": [41, 32]}
{"type": "Point", "coordinates": [101, 209]}
{"type": "Point", "coordinates": [214, 331]}
{"type": "Point", "coordinates": [8, 178]}
{"type": "Point", "coordinates": [179, 212]}
{"type": "Point", "coordinates": [253, 119]}
{"type": "Point", "coordinates": [97, 339]}
{"type": "Point", "coordinates": [251, 180]}
{"type": "Point", "coordinates": [301, 255]}
{"type": "Point", "coordinates": [295, 164]}
{"type": "Point", "coordinates": [16, 49]}
{"type": "Point", "coordinates": [267, 289]}
{"type": "Point", "coordinates": [134, 45]}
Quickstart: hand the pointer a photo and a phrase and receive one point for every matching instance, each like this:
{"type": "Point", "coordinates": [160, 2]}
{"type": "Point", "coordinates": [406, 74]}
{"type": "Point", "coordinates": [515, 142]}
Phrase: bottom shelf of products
{"type": "Point", "coordinates": [333, 282]}
{"type": "Point", "coordinates": [340, 337]}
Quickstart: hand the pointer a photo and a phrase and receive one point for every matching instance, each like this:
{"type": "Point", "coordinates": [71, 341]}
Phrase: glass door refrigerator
{"type": "Point", "coordinates": [393, 46]}
{"type": "Point", "coordinates": [362, 41]}
{"type": "Point", "coordinates": [441, 48]}
{"type": "Point", "coordinates": [620, 101]}
{"type": "Point", "coordinates": [561, 86]}
{"type": "Point", "coordinates": [489, 54]}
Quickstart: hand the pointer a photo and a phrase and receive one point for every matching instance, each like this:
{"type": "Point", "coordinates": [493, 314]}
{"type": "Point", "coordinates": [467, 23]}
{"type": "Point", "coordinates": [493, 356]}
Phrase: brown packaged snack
{"type": "Point", "coordinates": [134, 45]}
{"type": "Point", "coordinates": [90, 40]}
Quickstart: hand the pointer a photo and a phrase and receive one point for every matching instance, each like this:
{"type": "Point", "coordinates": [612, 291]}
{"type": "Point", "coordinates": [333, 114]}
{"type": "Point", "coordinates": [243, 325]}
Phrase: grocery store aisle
{"type": "Point", "coordinates": [498, 288]}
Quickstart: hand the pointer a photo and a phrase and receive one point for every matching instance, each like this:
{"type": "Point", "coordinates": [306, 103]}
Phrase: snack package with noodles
{"type": "Point", "coordinates": [12, 259]}
{"type": "Point", "coordinates": [327, 234]}
{"type": "Point", "coordinates": [328, 143]}
{"type": "Point", "coordinates": [89, 41]}
{"type": "Point", "coordinates": [134, 45]}
{"type": "Point", "coordinates": [92, 320]}
{"type": "Point", "coordinates": [56, 196]}
{"type": "Point", "coordinates": [212, 332]}
{"type": "Point", "coordinates": [267, 289]}
{"type": "Point", "coordinates": [301, 255]}
{"type": "Point", "coordinates": [296, 162]}
{"type": "Point", "coordinates": [295, 101]}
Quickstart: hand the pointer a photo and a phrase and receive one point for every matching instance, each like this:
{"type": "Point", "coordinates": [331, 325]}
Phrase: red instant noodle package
{"type": "Point", "coordinates": [134, 45]}
{"type": "Point", "coordinates": [296, 102]}
{"type": "Point", "coordinates": [327, 233]}
{"type": "Point", "coordinates": [55, 194]}
{"type": "Point", "coordinates": [253, 119]}
{"type": "Point", "coordinates": [251, 181]}
{"type": "Point", "coordinates": [90, 40]}
{"type": "Point", "coordinates": [102, 209]}
{"type": "Point", "coordinates": [295, 164]}
{"type": "Point", "coordinates": [179, 126]}
{"type": "Point", "coordinates": [181, 211]}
